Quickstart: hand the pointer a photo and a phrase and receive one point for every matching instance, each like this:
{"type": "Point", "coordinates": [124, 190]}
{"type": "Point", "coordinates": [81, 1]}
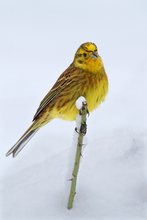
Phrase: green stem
{"type": "Point", "coordinates": [83, 128]}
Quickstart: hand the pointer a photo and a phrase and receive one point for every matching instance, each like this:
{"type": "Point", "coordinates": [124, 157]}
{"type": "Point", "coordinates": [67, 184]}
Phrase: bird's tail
{"type": "Point", "coordinates": [25, 138]}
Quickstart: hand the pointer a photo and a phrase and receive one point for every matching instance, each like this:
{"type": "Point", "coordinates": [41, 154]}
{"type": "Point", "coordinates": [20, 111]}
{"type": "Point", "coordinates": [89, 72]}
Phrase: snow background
{"type": "Point", "coordinates": [37, 42]}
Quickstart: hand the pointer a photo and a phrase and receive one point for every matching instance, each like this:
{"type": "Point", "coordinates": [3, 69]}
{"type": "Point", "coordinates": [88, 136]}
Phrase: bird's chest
{"type": "Point", "coordinates": [96, 91]}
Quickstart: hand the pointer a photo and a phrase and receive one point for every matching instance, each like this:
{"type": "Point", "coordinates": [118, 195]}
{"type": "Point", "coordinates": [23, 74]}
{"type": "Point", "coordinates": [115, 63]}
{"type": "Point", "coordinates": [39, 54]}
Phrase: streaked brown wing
{"type": "Point", "coordinates": [65, 79]}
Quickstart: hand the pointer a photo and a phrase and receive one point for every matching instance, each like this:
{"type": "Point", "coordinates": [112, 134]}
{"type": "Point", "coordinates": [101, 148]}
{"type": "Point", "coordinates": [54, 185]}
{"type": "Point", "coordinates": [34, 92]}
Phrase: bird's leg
{"type": "Point", "coordinates": [83, 128]}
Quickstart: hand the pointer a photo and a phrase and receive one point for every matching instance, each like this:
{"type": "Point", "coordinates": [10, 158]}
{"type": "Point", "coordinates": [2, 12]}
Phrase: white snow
{"type": "Point", "coordinates": [37, 42]}
{"type": "Point", "coordinates": [79, 102]}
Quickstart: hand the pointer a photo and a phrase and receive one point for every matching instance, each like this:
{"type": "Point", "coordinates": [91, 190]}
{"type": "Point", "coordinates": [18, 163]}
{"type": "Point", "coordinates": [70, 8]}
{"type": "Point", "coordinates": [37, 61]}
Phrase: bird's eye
{"type": "Point", "coordinates": [84, 54]}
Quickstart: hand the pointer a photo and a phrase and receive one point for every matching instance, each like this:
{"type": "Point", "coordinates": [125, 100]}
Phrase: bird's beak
{"type": "Point", "coordinates": [94, 54]}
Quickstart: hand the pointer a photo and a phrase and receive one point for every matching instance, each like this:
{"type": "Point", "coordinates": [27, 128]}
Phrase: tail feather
{"type": "Point", "coordinates": [22, 142]}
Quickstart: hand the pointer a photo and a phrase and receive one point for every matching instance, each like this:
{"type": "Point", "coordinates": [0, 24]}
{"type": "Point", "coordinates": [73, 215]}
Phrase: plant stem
{"type": "Point", "coordinates": [83, 129]}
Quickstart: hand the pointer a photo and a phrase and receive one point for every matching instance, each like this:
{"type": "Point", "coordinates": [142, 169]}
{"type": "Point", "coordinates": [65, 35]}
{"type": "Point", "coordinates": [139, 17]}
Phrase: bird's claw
{"type": "Point", "coordinates": [83, 129]}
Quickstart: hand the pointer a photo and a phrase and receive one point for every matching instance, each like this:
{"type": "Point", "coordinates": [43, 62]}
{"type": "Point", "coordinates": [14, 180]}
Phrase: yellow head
{"type": "Point", "coordinates": [87, 58]}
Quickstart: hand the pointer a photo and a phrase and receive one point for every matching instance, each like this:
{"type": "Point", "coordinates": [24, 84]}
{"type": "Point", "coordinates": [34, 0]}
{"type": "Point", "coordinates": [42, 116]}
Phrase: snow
{"type": "Point", "coordinates": [111, 183]}
{"type": "Point", "coordinates": [79, 102]}
{"type": "Point", "coordinates": [37, 42]}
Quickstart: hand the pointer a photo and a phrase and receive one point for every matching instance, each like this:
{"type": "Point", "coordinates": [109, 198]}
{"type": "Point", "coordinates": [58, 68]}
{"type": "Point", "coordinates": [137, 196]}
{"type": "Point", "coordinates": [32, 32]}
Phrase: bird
{"type": "Point", "coordinates": [85, 76]}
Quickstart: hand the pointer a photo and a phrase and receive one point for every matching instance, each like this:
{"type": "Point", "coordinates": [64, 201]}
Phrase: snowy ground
{"type": "Point", "coordinates": [37, 42]}
{"type": "Point", "coordinates": [112, 182]}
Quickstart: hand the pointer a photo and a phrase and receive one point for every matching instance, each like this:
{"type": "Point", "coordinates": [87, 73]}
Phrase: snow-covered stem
{"type": "Point", "coordinates": [82, 131]}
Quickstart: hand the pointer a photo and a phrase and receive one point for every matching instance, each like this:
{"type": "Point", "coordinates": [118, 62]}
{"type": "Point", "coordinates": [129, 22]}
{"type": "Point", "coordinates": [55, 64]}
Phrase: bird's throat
{"type": "Point", "coordinates": [90, 65]}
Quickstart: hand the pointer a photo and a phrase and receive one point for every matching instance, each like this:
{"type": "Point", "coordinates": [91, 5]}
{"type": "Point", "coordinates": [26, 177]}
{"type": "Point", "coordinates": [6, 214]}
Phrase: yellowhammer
{"type": "Point", "coordinates": [84, 77]}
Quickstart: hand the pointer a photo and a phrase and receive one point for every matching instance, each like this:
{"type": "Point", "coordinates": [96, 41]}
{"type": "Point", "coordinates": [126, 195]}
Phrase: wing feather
{"type": "Point", "coordinates": [65, 79]}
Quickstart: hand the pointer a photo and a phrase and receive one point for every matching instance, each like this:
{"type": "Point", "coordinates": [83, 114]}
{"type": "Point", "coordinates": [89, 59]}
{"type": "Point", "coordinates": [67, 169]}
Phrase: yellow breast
{"type": "Point", "coordinates": [96, 83]}
{"type": "Point", "coordinates": [96, 92]}
{"type": "Point", "coordinates": [92, 84]}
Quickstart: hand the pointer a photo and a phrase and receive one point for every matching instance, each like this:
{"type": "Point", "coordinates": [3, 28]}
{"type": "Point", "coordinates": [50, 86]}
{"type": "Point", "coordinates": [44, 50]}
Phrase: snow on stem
{"type": "Point", "coordinates": [83, 111]}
